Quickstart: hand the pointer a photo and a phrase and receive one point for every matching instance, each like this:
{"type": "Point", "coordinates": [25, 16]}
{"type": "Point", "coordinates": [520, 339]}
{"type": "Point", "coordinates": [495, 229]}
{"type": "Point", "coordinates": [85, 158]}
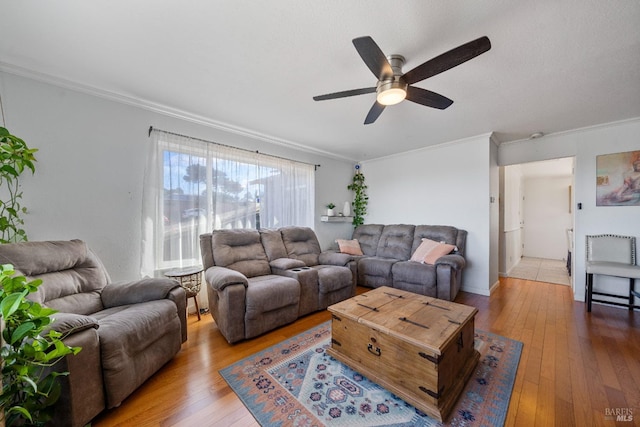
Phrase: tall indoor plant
{"type": "Point", "coordinates": [15, 157]}
{"type": "Point", "coordinates": [360, 199]}
{"type": "Point", "coordinates": [29, 385]}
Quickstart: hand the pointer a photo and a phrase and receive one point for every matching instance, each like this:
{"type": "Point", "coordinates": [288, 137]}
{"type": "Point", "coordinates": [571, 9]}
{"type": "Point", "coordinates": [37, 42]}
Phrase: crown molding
{"type": "Point", "coordinates": [577, 130]}
{"type": "Point", "coordinates": [163, 109]}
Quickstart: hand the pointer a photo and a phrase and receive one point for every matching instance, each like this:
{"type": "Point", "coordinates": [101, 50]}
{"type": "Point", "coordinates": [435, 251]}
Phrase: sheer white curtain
{"type": "Point", "coordinates": [192, 187]}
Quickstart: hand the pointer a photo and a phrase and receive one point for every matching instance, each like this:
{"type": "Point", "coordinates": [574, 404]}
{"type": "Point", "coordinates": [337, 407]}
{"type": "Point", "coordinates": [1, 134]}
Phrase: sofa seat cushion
{"type": "Point", "coordinates": [375, 271]}
{"type": "Point", "coordinates": [135, 341]}
{"type": "Point", "coordinates": [270, 292]}
{"type": "Point", "coordinates": [271, 301]}
{"type": "Point", "coordinates": [413, 272]}
{"type": "Point", "coordinates": [332, 278]}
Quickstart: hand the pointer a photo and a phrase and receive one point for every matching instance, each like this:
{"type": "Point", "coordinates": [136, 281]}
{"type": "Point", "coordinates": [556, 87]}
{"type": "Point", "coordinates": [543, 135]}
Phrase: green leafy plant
{"type": "Point", "coordinates": [15, 157]}
{"type": "Point", "coordinates": [29, 386]}
{"type": "Point", "coordinates": [360, 199]}
{"type": "Point", "coordinates": [331, 206]}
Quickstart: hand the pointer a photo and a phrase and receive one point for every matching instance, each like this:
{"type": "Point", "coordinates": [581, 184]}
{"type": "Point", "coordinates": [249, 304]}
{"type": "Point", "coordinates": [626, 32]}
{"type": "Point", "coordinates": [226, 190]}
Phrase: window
{"type": "Point", "coordinates": [194, 186]}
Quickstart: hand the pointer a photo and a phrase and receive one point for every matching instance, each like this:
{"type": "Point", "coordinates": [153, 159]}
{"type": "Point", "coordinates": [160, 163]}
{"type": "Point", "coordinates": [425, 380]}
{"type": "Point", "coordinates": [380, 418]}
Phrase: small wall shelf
{"type": "Point", "coordinates": [325, 218]}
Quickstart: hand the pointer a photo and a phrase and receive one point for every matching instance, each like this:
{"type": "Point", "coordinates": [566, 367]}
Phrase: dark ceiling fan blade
{"type": "Point", "coordinates": [344, 94]}
{"type": "Point", "coordinates": [373, 57]}
{"type": "Point", "coordinates": [374, 113]}
{"type": "Point", "coordinates": [428, 98]}
{"type": "Point", "coordinates": [448, 60]}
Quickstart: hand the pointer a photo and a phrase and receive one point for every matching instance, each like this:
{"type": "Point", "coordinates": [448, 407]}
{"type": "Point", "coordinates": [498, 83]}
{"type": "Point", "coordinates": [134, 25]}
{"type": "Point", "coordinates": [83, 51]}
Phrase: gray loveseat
{"type": "Point", "coordinates": [260, 280]}
{"type": "Point", "coordinates": [387, 250]}
{"type": "Point", "coordinates": [127, 330]}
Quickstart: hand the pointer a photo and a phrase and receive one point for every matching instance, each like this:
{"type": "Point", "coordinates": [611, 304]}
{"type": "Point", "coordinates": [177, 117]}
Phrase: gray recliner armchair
{"type": "Point", "coordinates": [127, 330]}
{"type": "Point", "coordinates": [245, 298]}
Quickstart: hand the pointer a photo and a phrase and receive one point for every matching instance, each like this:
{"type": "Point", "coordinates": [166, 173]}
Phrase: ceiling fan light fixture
{"type": "Point", "coordinates": [391, 92]}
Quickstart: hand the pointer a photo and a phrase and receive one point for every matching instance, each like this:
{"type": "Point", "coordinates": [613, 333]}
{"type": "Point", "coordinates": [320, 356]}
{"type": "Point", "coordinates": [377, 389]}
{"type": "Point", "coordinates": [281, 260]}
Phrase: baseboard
{"type": "Point", "coordinates": [475, 290]}
{"type": "Point", "coordinates": [494, 287]}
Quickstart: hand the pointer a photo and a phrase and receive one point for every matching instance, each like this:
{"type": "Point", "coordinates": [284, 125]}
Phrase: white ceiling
{"type": "Point", "coordinates": [554, 65]}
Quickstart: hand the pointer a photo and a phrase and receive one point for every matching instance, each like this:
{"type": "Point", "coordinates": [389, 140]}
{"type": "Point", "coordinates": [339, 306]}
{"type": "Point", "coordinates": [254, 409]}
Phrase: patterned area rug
{"type": "Point", "coordinates": [295, 383]}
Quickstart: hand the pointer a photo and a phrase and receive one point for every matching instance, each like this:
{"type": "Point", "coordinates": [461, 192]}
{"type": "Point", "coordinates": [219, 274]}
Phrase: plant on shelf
{"type": "Point", "coordinates": [15, 157]}
{"type": "Point", "coordinates": [330, 207]}
{"type": "Point", "coordinates": [29, 386]}
{"type": "Point", "coordinates": [360, 199]}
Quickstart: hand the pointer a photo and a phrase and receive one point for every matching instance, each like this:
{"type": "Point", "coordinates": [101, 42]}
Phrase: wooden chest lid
{"type": "Point", "coordinates": [423, 321]}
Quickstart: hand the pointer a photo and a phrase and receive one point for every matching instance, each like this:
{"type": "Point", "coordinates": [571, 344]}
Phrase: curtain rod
{"type": "Point", "coordinates": [151, 128]}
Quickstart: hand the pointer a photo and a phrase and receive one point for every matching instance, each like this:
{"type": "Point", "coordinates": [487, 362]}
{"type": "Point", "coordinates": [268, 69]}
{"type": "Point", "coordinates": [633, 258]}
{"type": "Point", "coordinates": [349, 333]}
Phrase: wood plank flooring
{"type": "Point", "coordinates": [575, 367]}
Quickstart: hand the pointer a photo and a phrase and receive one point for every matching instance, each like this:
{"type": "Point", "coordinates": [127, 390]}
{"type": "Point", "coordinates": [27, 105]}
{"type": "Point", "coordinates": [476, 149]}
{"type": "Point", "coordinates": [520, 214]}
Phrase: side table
{"type": "Point", "coordinates": [190, 279]}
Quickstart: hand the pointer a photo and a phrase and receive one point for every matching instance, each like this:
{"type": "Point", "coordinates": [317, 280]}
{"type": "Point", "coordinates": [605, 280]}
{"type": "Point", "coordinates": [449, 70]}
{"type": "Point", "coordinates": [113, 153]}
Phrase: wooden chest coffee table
{"type": "Point", "coordinates": [417, 347]}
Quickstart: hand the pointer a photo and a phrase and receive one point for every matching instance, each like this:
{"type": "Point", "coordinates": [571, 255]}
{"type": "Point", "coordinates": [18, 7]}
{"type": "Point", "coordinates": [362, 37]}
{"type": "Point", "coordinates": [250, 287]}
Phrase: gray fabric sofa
{"type": "Point", "coordinates": [387, 252]}
{"type": "Point", "coordinates": [127, 330]}
{"type": "Point", "coordinates": [260, 280]}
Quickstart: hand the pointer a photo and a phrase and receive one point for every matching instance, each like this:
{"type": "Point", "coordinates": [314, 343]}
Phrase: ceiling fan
{"type": "Point", "coordinates": [393, 86]}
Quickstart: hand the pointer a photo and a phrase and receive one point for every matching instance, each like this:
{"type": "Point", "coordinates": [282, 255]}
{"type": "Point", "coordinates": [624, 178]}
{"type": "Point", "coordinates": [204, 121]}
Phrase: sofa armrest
{"type": "Point", "coordinates": [286, 263]}
{"type": "Point", "coordinates": [123, 293]}
{"type": "Point", "coordinates": [220, 277]}
{"type": "Point", "coordinates": [335, 258]}
{"type": "Point", "coordinates": [69, 323]}
{"type": "Point", "coordinates": [457, 262]}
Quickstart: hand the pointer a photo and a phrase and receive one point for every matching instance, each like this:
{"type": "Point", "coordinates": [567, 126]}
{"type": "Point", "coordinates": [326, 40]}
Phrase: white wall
{"type": "Point", "coordinates": [585, 145]}
{"type": "Point", "coordinates": [92, 150]}
{"type": "Point", "coordinates": [511, 237]}
{"type": "Point", "coordinates": [546, 217]}
{"type": "Point", "coordinates": [445, 185]}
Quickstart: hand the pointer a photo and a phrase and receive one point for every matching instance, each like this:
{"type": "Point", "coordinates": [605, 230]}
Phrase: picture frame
{"type": "Point", "coordinates": [618, 179]}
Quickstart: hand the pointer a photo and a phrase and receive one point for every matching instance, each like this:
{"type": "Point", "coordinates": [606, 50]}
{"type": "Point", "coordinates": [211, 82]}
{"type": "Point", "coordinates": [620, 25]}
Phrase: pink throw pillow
{"type": "Point", "coordinates": [351, 247]}
{"type": "Point", "coordinates": [423, 250]}
{"type": "Point", "coordinates": [429, 251]}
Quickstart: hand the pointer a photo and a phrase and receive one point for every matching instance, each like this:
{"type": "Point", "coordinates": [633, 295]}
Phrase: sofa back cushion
{"type": "Point", "coordinates": [302, 244]}
{"type": "Point", "coordinates": [440, 233]}
{"type": "Point", "coordinates": [72, 275]}
{"type": "Point", "coordinates": [368, 235]}
{"type": "Point", "coordinates": [240, 250]}
{"type": "Point", "coordinates": [273, 244]}
{"type": "Point", "coordinates": [396, 242]}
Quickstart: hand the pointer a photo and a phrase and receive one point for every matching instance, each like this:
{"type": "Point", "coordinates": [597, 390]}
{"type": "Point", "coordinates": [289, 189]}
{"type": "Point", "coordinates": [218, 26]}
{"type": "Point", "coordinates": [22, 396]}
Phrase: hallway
{"type": "Point", "coordinates": [542, 270]}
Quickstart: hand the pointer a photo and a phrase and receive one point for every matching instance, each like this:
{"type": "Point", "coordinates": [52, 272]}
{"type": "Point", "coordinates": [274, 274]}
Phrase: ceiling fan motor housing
{"type": "Point", "coordinates": [392, 84]}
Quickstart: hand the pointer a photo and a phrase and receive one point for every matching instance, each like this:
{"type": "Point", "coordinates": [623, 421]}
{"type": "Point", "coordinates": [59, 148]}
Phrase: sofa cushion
{"type": "Point", "coordinates": [73, 274]}
{"type": "Point", "coordinates": [368, 236]}
{"type": "Point", "coordinates": [429, 251]}
{"type": "Point", "coordinates": [415, 277]}
{"type": "Point", "coordinates": [134, 341]}
{"type": "Point", "coordinates": [351, 247]}
{"type": "Point", "coordinates": [240, 250]}
{"type": "Point", "coordinates": [269, 293]}
{"type": "Point", "coordinates": [395, 242]}
{"type": "Point", "coordinates": [273, 244]}
{"type": "Point", "coordinates": [375, 271]}
{"type": "Point", "coordinates": [437, 233]}
{"type": "Point", "coordinates": [438, 251]}
{"type": "Point", "coordinates": [301, 243]}
{"type": "Point", "coordinates": [332, 278]}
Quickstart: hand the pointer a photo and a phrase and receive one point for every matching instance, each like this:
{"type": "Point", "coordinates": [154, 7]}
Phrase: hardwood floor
{"type": "Point", "coordinates": [575, 366]}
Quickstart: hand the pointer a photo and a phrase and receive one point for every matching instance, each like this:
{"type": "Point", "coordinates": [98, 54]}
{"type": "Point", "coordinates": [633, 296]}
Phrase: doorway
{"type": "Point", "coordinates": [537, 220]}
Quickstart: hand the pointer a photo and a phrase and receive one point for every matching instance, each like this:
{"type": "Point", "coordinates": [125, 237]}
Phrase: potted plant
{"type": "Point", "coordinates": [15, 157]}
{"type": "Point", "coordinates": [330, 211]}
{"type": "Point", "coordinates": [29, 350]}
{"type": "Point", "coordinates": [360, 199]}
